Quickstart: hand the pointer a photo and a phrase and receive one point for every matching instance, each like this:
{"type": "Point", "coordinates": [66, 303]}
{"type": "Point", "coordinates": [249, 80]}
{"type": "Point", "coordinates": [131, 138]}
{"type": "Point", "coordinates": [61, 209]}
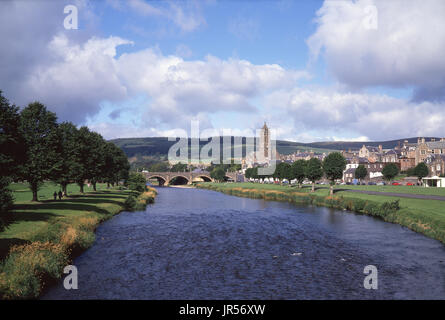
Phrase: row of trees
{"type": "Point", "coordinates": [34, 148]}
{"type": "Point", "coordinates": [332, 168]}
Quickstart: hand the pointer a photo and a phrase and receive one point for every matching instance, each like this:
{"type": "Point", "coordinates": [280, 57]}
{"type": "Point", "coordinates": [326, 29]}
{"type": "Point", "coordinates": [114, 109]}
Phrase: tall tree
{"type": "Point", "coordinates": [283, 171]}
{"type": "Point", "coordinates": [421, 171]}
{"type": "Point", "coordinates": [333, 166]}
{"type": "Point", "coordinates": [361, 172]}
{"type": "Point", "coordinates": [390, 171]}
{"type": "Point", "coordinates": [66, 148]}
{"type": "Point", "coordinates": [96, 158]}
{"type": "Point", "coordinates": [299, 171]}
{"type": "Point", "coordinates": [116, 166]}
{"type": "Point", "coordinates": [314, 171]}
{"type": "Point", "coordinates": [11, 153]}
{"type": "Point", "coordinates": [218, 173]}
{"type": "Point", "coordinates": [82, 152]}
{"type": "Point", "coordinates": [38, 127]}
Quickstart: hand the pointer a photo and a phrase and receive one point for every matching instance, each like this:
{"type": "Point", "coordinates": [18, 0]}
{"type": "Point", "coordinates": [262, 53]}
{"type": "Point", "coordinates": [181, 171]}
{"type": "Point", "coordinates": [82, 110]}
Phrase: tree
{"type": "Point", "coordinates": [421, 171]}
{"type": "Point", "coordinates": [116, 166]}
{"type": "Point", "coordinates": [179, 167]}
{"type": "Point", "coordinates": [80, 173]}
{"type": "Point", "coordinates": [11, 152]}
{"type": "Point", "coordinates": [218, 173]}
{"type": "Point", "coordinates": [314, 171]}
{"type": "Point", "coordinates": [333, 166]}
{"type": "Point", "coordinates": [159, 167]}
{"type": "Point", "coordinates": [136, 182]}
{"type": "Point", "coordinates": [283, 171]}
{"type": "Point", "coordinates": [251, 173]}
{"type": "Point", "coordinates": [361, 172]}
{"type": "Point", "coordinates": [96, 158]}
{"type": "Point", "coordinates": [390, 171]}
{"type": "Point", "coordinates": [38, 128]}
{"type": "Point", "coordinates": [66, 147]}
{"type": "Point", "coordinates": [248, 173]}
{"type": "Point", "coordinates": [299, 171]}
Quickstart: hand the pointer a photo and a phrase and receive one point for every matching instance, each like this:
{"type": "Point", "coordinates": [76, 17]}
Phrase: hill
{"type": "Point", "coordinates": [158, 146]}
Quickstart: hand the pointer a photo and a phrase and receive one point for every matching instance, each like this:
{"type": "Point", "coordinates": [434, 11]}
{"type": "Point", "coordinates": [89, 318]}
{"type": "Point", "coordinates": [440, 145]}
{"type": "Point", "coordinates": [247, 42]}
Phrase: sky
{"type": "Point", "coordinates": [313, 70]}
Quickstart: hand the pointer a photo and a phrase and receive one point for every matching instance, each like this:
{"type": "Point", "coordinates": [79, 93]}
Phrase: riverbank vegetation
{"type": "Point", "coordinates": [420, 215]}
{"type": "Point", "coordinates": [41, 238]}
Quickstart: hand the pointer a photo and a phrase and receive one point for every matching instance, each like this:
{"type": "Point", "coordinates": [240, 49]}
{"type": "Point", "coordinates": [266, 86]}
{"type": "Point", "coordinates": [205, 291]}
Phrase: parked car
{"type": "Point", "coordinates": [410, 184]}
{"type": "Point", "coordinates": [348, 183]}
{"type": "Point", "coordinates": [371, 183]}
{"type": "Point", "coordinates": [382, 183]}
{"type": "Point", "coordinates": [396, 184]}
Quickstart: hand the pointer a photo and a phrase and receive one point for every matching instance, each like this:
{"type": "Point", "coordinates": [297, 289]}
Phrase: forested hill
{"type": "Point", "coordinates": [160, 145]}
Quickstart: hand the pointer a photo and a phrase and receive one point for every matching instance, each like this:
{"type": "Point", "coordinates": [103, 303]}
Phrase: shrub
{"type": "Point", "coordinates": [358, 205]}
{"type": "Point", "coordinates": [130, 203]}
{"type": "Point", "coordinates": [390, 206]}
{"type": "Point", "coordinates": [372, 209]}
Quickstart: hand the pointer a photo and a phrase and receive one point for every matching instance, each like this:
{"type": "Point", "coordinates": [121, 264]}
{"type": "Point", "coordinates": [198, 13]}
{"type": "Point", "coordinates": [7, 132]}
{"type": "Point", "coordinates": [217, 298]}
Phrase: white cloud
{"type": "Point", "coordinates": [78, 78]}
{"type": "Point", "coordinates": [181, 88]}
{"type": "Point", "coordinates": [405, 49]}
{"type": "Point", "coordinates": [368, 116]}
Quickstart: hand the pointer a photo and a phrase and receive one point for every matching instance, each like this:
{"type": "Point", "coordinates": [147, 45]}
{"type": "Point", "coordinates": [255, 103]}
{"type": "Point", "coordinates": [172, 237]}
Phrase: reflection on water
{"type": "Point", "coordinates": [200, 244]}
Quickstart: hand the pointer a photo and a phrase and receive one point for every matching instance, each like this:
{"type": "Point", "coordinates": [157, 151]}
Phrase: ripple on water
{"type": "Point", "coordinates": [200, 244]}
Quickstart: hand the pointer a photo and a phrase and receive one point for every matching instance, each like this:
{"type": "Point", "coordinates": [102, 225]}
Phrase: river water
{"type": "Point", "coordinates": [201, 244]}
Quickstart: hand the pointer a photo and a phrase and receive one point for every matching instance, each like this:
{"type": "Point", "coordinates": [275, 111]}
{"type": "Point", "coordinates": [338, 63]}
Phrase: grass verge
{"type": "Point", "coordinates": [41, 238]}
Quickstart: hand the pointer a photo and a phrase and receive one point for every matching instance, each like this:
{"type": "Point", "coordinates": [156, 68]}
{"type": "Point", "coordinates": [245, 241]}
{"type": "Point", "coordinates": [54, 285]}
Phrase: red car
{"type": "Point", "coordinates": [410, 184]}
{"type": "Point", "coordinates": [396, 184]}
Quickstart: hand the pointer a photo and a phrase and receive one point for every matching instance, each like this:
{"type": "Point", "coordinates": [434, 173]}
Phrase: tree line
{"type": "Point", "coordinates": [332, 167]}
{"type": "Point", "coordinates": [35, 148]}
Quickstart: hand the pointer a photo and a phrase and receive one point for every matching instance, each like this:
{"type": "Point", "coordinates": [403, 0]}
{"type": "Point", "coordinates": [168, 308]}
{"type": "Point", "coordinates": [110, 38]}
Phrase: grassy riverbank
{"type": "Point", "coordinates": [424, 216]}
{"type": "Point", "coordinates": [42, 237]}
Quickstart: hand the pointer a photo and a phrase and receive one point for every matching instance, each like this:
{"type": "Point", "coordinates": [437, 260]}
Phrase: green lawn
{"type": "Point", "coordinates": [44, 234]}
{"type": "Point", "coordinates": [399, 189]}
{"type": "Point", "coordinates": [22, 192]}
{"type": "Point", "coordinates": [307, 188]}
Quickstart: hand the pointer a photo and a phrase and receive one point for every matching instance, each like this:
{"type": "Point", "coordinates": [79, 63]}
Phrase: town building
{"type": "Point", "coordinates": [424, 148]}
{"type": "Point", "coordinates": [436, 164]}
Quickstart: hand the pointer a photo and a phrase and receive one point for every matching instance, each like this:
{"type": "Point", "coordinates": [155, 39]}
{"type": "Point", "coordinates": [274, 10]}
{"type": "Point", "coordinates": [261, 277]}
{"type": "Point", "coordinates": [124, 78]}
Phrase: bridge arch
{"type": "Point", "coordinates": [204, 177]}
{"type": "Point", "coordinates": [161, 180]}
{"type": "Point", "coordinates": [179, 177]}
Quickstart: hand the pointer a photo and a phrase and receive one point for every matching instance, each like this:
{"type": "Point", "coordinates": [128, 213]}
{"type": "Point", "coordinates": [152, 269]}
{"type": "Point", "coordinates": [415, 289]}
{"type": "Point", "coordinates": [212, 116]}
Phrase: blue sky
{"type": "Point", "coordinates": [314, 70]}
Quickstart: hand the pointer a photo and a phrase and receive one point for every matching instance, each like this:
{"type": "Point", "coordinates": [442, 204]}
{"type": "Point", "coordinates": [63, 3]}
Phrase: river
{"type": "Point", "coordinates": [201, 244]}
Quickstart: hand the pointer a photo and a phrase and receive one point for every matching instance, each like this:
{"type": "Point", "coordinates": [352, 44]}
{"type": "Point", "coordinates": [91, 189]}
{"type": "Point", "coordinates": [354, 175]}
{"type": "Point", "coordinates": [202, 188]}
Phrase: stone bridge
{"type": "Point", "coordinates": [165, 178]}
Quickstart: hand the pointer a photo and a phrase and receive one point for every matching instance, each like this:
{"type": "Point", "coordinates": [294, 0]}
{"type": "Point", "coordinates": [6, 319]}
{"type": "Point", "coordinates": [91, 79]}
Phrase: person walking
{"type": "Point", "coordinates": [60, 195]}
{"type": "Point", "coordinates": [55, 195]}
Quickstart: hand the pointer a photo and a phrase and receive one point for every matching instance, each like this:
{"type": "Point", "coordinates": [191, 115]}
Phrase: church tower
{"type": "Point", "coordinates": [265, 141]}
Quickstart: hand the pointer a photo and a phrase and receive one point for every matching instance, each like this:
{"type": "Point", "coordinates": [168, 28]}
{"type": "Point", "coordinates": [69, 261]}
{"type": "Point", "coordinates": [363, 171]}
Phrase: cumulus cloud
{"type": "Point", "coordinates": [179, 88]}
{"type": "Point", "coordinates": [384, 43]}
{"type": "Point", "coordinates": [369, 116]}
{"type": "Point", "coordinates": [79, 77]}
